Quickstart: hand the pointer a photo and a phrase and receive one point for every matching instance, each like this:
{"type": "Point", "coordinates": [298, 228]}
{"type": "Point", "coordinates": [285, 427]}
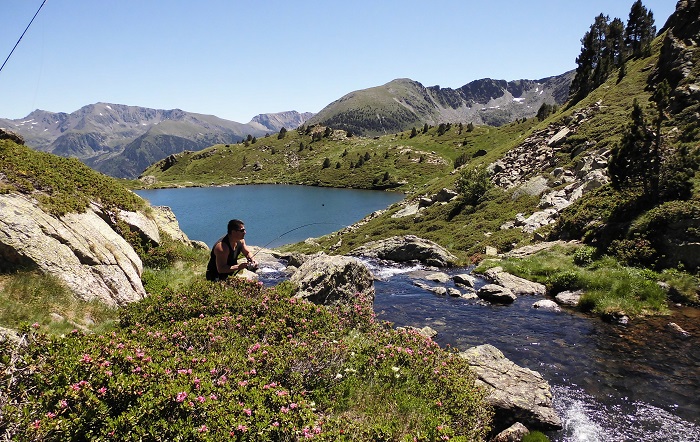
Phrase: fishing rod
{"type": "Point", "coordinates": [20, 37]}
{"type": "Point", "coordinates": [292, 230]}
{"type": "Point", "coordinates": [280, 236]}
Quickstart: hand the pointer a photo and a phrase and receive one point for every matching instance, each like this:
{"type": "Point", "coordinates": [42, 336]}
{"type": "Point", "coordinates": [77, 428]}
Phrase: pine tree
{"type": "Point", "coordinates": [615, 43]}
{"type": "Point", "coordinates": [630, 159]}
{"type": "Point", "coordinates": [282, 134]}
{"type": "Point", "coordinates": [640, 30]}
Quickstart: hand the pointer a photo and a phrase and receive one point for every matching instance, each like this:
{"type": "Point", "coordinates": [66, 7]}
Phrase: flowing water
{"type": "Point", "coordinates": [639, 382]}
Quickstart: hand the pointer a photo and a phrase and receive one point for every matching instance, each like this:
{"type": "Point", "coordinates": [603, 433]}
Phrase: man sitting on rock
{"type": "Point", "coordinates": [223, 260]}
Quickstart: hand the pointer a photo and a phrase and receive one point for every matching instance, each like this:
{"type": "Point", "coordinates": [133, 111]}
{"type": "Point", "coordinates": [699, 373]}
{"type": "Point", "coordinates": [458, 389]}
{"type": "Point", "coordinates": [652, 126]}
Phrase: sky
{"type": "Point", "coordinates": [236, 59]}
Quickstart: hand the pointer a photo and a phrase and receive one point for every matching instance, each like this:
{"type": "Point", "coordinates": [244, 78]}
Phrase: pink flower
{"type": "Point", "coordinates": [181, 396]}
{"type": "Point", "coordinates": [201, 399]}
{"type": "Point", "coordinates": [242, 428]}
{"type": "Point", "coordinates": [203, 429]}
{"type": "Point", "coordinates": [50, 415]}
{"type": "Point", "coordinates": [36, 325]}
{"type": "Point", "coordinates": [86, 358]}
{"type": "Point", "coordinates": [248, 411]}
{"type": "Point", "coordinates": [102, 391]}
{"type": "Point", "coordinates": [63, 403]}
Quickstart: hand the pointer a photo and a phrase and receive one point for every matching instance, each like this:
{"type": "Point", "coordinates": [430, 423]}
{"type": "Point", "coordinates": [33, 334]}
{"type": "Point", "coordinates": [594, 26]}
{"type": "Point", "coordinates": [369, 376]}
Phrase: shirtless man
{"type": "Point", "coordinates": [223, 260]}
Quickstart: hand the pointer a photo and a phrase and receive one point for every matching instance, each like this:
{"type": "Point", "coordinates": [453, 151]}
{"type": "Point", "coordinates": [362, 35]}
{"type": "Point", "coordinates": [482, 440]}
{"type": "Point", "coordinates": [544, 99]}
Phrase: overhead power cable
{"type": "Point", "coordinates": [20, 37]}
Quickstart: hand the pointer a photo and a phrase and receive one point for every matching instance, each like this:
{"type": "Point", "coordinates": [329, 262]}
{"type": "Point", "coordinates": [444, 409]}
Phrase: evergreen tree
{"type": "Point", "coordinates": [545, 111]}
{"type": "Point", "coordinates": [326, 163]}
{"type": "Point", "coordinates": [630, 159]}
{"type": "Point", "coordinates": [282, 134]}
{"type": "Point", "coordinates": [425, 128]}
{"type": "Point", "coordinates": [614, 52]}
{"type": "Point", "coordinates": [470, 127]}
{"type": "Point", "coordinates": [640, 30]}
{"type": "Point", "coordinates": [414, 132]}
{"type": "Point", "coordinates": [595, 62]}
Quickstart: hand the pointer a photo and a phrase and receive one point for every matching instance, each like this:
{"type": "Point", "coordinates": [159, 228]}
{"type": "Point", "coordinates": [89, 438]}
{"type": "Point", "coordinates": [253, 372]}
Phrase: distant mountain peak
{"type": "Point", "coordinates": [276, 121]}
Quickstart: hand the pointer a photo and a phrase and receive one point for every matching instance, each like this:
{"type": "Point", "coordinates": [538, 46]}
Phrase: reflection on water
{"type": "Point", "coordinates": [610, 383]}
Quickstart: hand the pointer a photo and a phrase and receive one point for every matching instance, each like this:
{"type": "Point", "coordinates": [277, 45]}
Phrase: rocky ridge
{"type": "Point", "coordinates": [122, 141]}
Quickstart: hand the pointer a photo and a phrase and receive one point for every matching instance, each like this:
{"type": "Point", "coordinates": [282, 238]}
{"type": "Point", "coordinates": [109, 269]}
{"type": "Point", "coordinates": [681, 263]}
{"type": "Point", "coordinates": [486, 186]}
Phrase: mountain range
{"type": "Point", "coordinates": [403, 103]}
{"type": "Point", "coordinates": [122, 141]}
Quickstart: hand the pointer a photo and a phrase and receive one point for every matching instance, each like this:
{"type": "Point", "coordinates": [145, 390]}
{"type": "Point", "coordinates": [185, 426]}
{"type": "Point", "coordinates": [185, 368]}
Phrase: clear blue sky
{"type": "Point", "coordinates": [236, 59]}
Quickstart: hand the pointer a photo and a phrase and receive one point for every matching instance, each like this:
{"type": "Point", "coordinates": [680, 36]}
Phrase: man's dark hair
{"type": "Point", "coordinates": [234, 224]}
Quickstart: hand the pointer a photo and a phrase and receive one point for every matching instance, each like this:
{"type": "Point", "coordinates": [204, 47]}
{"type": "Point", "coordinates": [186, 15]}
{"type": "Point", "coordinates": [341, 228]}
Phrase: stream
{"type": "Point", "coordinates": [639, 382]}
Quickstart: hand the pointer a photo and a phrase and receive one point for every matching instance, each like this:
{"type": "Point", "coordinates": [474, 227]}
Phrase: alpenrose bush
{"type": "Point", "coordinates": [238, 361]}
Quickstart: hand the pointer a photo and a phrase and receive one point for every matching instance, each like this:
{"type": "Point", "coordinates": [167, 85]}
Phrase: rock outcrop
{"type": "Point", "coordinates": [517, 285]}
{"type": "Point", "coordinates": [80, 249]}
{"type": "Point", "coordinates": [521, 169]}
{"type": "Point", "coordinates": [407, 248]}
{"type": "Point", "coordinates": [517, 394]}
{"type": "Point", "coordinates": [329, 280]}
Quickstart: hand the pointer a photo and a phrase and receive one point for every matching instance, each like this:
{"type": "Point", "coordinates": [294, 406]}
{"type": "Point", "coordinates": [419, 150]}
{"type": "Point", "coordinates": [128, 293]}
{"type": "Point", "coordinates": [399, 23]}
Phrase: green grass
{"type": "Point", "coordinates": [33, 298]}
{"type": "Point", "coordinates": [608, 286]}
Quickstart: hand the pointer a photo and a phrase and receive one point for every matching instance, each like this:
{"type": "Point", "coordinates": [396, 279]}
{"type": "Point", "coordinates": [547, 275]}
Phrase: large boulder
{"type": "Point", "coordinates": [519, 286]}
{"type": "Point", "coordinates": [330, 280]}
{"type": "Point", "coordinates": [81, 249]}
{"type": "Point", "coordinates": [407, 248]}
{"type": "Point", "coordinates": [517, 394]}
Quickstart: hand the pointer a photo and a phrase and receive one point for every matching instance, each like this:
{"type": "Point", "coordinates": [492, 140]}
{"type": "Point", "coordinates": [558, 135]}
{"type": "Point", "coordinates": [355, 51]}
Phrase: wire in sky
{"type": "Point", "coordinates": [20, 37]}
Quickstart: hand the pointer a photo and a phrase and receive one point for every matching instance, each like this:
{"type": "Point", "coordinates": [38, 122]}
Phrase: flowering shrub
{"type": "Point", "coordinates": [237, 361]}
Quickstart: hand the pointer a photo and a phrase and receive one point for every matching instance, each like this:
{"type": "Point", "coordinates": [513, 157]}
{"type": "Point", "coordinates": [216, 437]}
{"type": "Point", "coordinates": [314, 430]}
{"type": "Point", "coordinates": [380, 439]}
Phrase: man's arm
{"type": "Point", "coordinates": [248, 255]}
{"type": "Point", "coordinates": [221, 252]}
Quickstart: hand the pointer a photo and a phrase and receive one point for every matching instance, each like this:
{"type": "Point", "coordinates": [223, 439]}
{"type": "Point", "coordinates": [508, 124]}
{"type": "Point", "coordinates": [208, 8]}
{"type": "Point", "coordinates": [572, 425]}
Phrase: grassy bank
{"type": "Point", "coordinates": [609, 288]}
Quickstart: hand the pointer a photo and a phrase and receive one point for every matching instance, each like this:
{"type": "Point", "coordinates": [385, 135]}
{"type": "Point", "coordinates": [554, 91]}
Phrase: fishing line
{"type": "Point", "coordinates": [285, 233]}
{"type": "Point", "coordinates": [292, 230]}
{"type": "Point", "coordinates": [20, 37]}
